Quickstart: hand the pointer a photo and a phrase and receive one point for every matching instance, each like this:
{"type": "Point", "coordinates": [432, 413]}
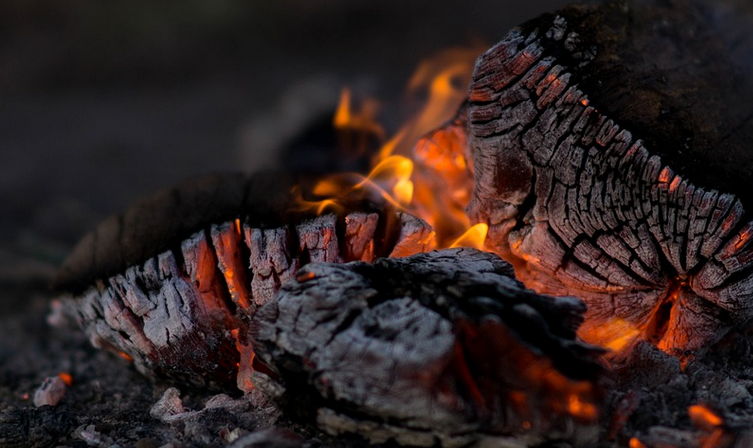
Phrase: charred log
{"type": "Point", "coordinates": [183, 313]}
{"type": "Point", "coordinates": [611, 157]}
{"type": "Point", "coordinates": [432, 348]}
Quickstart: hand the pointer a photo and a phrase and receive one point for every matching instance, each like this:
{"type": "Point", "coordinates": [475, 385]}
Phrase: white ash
{"type": "Point", "coordinates": [50, 392]}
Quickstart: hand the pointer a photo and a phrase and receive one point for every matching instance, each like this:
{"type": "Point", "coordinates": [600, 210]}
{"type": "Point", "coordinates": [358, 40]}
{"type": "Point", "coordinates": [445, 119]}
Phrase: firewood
{"type": "Point", "coordinates": [435, 348]}
{"type": "Point", "coordinates": [611, 157]}
{"type": "Point", "coordinates": [182, 312]}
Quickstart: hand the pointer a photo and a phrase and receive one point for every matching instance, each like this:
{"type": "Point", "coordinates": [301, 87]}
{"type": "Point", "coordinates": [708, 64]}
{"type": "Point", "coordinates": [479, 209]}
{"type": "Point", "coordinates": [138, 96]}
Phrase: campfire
{"type": "Point", "coordinates": [524, 259]}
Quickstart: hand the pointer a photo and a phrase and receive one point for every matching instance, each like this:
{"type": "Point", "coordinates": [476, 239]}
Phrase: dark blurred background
{"type": "Point", "coordinates": [102, 102]}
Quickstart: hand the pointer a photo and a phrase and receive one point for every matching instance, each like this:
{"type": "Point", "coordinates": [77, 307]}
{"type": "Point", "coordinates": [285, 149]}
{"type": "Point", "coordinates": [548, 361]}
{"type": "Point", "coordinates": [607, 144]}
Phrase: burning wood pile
{"type": "Point", "coordinates": [592, 245]}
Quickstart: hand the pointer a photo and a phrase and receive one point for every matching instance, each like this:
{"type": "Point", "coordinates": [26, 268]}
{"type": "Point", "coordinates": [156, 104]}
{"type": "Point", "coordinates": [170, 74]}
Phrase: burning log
{"type": "Point", "coordinates": [430, 349]}
{"type": "Point", "coordinates": [611, 155]}
{"type": "Point", "coordinates": [175, 295]}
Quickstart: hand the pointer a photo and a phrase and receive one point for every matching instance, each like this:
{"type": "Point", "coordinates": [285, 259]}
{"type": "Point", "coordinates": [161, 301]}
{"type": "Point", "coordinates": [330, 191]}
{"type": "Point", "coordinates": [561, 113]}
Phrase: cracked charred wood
{"type": "Point", "coordinates": [172, 283]}
{"type": "Point", "coordinates": [611, 156]}
{"type": "Point", "coordinates": [435, 348]}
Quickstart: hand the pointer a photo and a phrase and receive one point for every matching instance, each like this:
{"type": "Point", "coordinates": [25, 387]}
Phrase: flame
{"type": "Point", "coordinates": [433, 181]}
{"type": "Point", "coordinates": [444, 78]}
{"type": "Point", "coordinates": [473, 237]}
{"type": "Point", "coordinates": [363, 119]}
{"type": "Point", "coordinates": [389, 180]}
{"type": "Point", "coordinates": [126, 356]}
{"type": "Point", "coordinates": [357, 128]}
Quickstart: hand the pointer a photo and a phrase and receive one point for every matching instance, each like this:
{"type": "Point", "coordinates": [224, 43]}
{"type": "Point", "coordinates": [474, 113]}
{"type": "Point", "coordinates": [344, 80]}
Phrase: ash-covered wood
{"type": "Point", "coordinates": [611, 150]}
{"type": "Point", "coordinates": [183, 314]}
{"type": "Point", "coordinates": [435, 348]}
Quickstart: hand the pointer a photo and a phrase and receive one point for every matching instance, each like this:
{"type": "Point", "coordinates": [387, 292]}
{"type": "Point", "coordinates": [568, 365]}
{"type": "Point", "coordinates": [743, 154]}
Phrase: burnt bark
{"type": "Point", "coordinates": [183, 313]}
{"type": "Point", "coordinates": [611, 158]}
{"type": "Point", "coordinates": [165, 218]}
{"type": "Point", "coordinates": [436, 348]}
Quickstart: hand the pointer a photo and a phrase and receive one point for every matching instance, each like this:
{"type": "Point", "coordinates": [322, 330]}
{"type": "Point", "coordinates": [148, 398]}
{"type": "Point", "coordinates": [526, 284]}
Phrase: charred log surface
{"type": "Point", "coordinates": [183, 312]}
{"type": "Point", "coordinates": [432, 348]}
{"type": "Point", "coordinates": [163, 219]}
{"type": "Point", "coordinates": [611, 152]}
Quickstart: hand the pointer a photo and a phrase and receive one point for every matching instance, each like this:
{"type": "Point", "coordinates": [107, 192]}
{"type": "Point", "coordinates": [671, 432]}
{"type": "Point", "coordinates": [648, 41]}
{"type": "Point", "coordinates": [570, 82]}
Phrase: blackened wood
{"type": "Point", "coordinates": [599, 137]}
{"type": "Point", "coordinates": [166, 217]}
{"type": "Point", "coordinates": [183, 313]}
{"type": "Point", "coordinates": [429, 349]}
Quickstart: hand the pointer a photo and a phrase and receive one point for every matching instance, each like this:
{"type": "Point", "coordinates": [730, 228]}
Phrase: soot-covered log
{"type": "Point", "coordinates": [435, 348]}
{"type": "Point", "coordinates": [612, 155]}
{"type": "Point", "coordinates": [172, 282]}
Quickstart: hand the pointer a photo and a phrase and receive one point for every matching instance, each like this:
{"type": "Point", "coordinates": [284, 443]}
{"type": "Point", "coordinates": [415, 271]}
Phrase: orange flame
{"type": "Point", "coordinates": [389, 180]}
{"type": "Point", "coordinates": [364, 119]}
{"type": "Point", "coordinates": [356, 127]}
{"type": "Point", "coordinates": [441, 190]}
{"type": "Point", "coordinates": [444, 78]}
{"type": "Point", "coordinates": [614, 334]}
{"type": "Point", "coordinates": [473, 237]}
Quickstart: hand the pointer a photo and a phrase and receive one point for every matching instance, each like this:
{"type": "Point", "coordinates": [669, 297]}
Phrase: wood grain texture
{"type": "Point", "coordinates": [429, 349]}
{"type": "Point", "coordinates": [600, 138]}
{"type": "Point", "coordinates": [183, 313]}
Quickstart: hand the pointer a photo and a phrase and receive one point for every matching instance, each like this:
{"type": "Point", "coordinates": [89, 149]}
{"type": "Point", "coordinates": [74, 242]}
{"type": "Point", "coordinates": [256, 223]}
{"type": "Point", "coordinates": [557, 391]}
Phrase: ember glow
{"type": "Point", "coordinates": [703, 417]}
{"type": "Point", "coordinates": [67, 378]}
{"type": "Point", "coordinates": [614, 334]}
{"type": "Point", "coordinates": [712, 425]}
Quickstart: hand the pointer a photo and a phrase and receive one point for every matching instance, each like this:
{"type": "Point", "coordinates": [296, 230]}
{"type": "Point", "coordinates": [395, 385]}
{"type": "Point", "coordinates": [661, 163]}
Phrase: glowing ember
{"type": "Point", "coordinates": [67, 378]}
{"type": "Point", "coordinates": [703, 417]}
{"type": "Point", "coordinates": [614, 334]}
{"type": "Point", "coordinates": [305, 276]}
{"type": "Point", "coordinates": [245, 364]}
{"type": "Point", "coordinates": [635, 443]}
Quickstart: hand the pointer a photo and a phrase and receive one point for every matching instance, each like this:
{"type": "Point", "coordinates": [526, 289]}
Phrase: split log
{"type": "Point", "coordinates": [611, 150]}
{"type": "Point", "coordinates": [431, 349]}
{"type": "Point", "coordinates": [182, 312]}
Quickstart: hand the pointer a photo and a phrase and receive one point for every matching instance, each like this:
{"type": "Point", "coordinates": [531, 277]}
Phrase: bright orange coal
{"type": "Point", "coordinates": [428, 176]}
{"type": "Point", "coordinates": [614, 334]}
{"type": "Point", "coordinates": [703, 417]}
{"type": "Point", "coordinates": [67, 378]}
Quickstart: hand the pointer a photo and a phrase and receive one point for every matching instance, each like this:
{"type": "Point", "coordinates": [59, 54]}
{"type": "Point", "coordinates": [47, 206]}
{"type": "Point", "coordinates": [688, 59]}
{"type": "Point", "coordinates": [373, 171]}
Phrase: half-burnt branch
{"type": "Point", "coordinates": [611, 151]}
{"type": "Point", "coordinates": [428, 349]}
{"type": "Point", "coordinates": [183, 312]}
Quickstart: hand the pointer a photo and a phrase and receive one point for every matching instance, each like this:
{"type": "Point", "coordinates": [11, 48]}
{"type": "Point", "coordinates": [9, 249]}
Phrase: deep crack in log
{"type": "Point", "coordinates": [611, 156]}
{"type": "Point", "coordinates": [432, 348]}
{"type": "Point", "coordinates": [182, 312]}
